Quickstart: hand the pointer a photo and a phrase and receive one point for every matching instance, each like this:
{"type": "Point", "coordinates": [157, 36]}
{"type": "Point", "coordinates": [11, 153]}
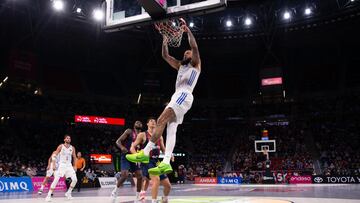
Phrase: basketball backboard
{"type": "Point", "coordinates": [265, 145]}
{"type": "Point", "coordinates": [122, 14]}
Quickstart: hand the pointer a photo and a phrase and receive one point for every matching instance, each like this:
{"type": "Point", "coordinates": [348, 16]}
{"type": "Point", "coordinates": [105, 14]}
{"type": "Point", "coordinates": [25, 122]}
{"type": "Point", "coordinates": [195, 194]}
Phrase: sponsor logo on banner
{"type": "Point", "coordinates": [205, 180]}
{"type": "Point", "coordinates": [99, 120]}
{"type": "Point", "coordinates": [280, 177]}
{"type": "Point", "coordinates": [271, 81]}
{"type": "Point", "coordinates": [36, 181]}
{"type": "Point", "coordinates": [110, 182]}
{"type": "Point", "coordinates": [228, 180]}
{"type": "Point", "coordinates": [15, 184]}
{"type": "Point", "coordinates": [318, 180]}
{"type": "Point", "coordinates": [336, 179]}
{"type": "Point", "coordinates": [300, 180]}
{"type": "Point", "coordinates": [101, 158]}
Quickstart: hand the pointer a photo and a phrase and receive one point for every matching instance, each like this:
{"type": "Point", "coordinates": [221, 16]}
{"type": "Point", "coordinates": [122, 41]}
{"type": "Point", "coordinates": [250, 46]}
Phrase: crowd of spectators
{"type": "Point", "coordinates": [211, 135]}
{"type": "Point", "coordinates": [338, 144]}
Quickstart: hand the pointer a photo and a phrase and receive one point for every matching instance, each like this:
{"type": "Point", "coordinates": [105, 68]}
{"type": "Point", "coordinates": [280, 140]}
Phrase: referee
{"type": "Point", "coordinates": [80, 166]}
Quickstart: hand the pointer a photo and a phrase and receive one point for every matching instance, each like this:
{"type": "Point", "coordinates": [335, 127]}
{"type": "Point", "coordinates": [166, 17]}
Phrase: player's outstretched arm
{"type": "Point", "coordinates": [122, 138]}
{"type": "Point", "coordinates": [165, 54]}
{"type": "Point", "coordinates": [195, 61]}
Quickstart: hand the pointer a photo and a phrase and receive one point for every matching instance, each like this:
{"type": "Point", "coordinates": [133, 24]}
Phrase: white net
{"type": "Point", "coordinates": [173, 30]}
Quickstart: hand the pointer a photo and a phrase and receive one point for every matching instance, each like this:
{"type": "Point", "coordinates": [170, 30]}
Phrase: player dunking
{"type": "Point", "coordinates": [49, 171]}
{"type": "Point", "coordinates": [65, 152]}
{"type": "Point", "coordinates": [142, 139]}
{"type": "Point", "coordinates": [124, 143]}
{"type": "Point", "coordinates": [188, 73]}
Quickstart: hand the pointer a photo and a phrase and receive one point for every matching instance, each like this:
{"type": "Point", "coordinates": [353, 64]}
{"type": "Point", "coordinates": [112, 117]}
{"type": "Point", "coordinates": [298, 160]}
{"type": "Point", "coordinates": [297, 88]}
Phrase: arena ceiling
{"type": "Point", "coordinates": [313, 52]}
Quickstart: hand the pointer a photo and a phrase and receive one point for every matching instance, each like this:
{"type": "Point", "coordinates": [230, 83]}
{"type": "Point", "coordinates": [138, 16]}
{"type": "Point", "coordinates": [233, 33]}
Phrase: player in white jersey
{"type": "Point", "coordinates": [66, 154]}
{"type": "Point", "coordinates": [188, 73]}
{"type": "Point", "coordinates": [51, 167]}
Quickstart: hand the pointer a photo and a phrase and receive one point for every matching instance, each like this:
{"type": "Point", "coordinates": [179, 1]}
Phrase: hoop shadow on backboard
{"type": "Point", "coordinates": [125, 14]}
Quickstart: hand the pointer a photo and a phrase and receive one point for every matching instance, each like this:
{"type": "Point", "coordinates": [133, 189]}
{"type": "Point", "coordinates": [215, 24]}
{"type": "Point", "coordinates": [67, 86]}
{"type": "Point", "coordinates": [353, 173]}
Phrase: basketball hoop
{"type": "Point", "coordinates": [172, 29]}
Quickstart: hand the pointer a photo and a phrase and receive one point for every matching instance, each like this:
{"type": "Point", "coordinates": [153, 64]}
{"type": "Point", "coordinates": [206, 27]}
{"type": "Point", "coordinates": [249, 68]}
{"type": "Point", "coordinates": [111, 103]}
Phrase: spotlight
{"type": "Point", "coordinates": [6, 79]}
{"type": "Point", "coordinates": [78, 10]}
{"type": "Point", "coordinates": [98, 14]}
{"type": "Point", "coordinates": [191, 24]}
{"type": "Point", "coordinates": [308, 11]}
{"type": "Point", "coordinates": [287, 15]}
{"type": "Point", "coordinates": [1, 84]}
{"type": "Point", "coordinates": [229, 23]}
{"type": "Point", "coordinates": [248, 21]}
{"type": "Point", "coordinates": [58, 5]}
{"type": "Point", "coordinates": [352, 0]}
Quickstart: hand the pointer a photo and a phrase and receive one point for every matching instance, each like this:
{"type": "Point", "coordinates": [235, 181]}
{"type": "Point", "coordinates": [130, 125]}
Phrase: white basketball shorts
{"type": "Point", "coordinates": [181, 102]}
{"type": "Point", "coordinates": [67, 171]}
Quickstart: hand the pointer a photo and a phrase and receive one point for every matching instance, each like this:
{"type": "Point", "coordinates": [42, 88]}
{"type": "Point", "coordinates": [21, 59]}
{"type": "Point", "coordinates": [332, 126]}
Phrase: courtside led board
{"type": "Point", "coordinates": [101, 158]}
{"type": "Point", "coordinates": [99, 120]}
{"type": "Point", "coordinates": [122, 14]}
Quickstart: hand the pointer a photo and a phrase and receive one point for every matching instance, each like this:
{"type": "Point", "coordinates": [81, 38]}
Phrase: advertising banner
{"type": "Point", "coordinates": [101, 158]}
{"type": "Point", "coordinates": [300, 180]}
{"type": "Point", "coordinates": [336, 179]}
{"type": "Point", "coordinates": [110, 182]}
{"type": "Point", "coordinates": [36, 182]}
{"type": "Point", "coordinates": [228, 180]}
{"type": "Point", "coordinates": [99, 120]}
{"type": "Point", "coordinates": [15, 184]}
{"type": "Point", "coordinates": [205, 180]}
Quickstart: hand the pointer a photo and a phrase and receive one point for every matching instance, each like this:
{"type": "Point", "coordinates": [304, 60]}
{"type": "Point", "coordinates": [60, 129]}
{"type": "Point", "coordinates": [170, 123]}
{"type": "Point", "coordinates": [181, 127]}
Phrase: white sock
{"type": "Point", "coordinates": [148, 148]}
{"type": "Point", "coordinates": [154, 201]}
{"type": "Point", "coordinates": [165, 198]}
{"type": "Point", "coordinates": [137, 194]}
{"type": "Point", "coordinates": [42, 187]}
{"type": "Point", "coordinates": [116, 189]}
{"type": "Point", "coordinates": [170, 141]}
{"type": "Point", "coordinates": [70, 189]}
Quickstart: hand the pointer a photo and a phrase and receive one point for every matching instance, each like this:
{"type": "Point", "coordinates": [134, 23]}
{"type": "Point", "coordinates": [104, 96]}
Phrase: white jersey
{"type": "Point", "coordinates": [187, 78]}
{"type": "Point", "coordinates": [65, 155]}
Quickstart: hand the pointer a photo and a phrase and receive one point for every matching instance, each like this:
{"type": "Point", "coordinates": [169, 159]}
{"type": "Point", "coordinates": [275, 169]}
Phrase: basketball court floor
{"type": "Point", "coordinates": [210, 194]}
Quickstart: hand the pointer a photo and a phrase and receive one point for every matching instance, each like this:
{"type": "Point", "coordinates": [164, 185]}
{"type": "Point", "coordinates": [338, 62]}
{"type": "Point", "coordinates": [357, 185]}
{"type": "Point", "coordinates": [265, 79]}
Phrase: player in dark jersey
{"type": "Point", "coordinates": [124, 143]}
{"type": "Point", "coordinates": [142, 140]}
